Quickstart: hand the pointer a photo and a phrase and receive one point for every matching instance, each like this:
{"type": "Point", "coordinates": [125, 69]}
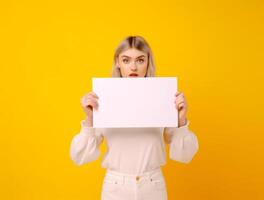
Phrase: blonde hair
{"type": "Point", "coordinates": [140, 44]}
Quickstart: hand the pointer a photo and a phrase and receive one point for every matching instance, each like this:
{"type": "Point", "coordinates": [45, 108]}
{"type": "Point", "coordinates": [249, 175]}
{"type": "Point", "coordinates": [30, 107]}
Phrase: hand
{"type": "Point", "coordinates": [88, 103]}
{"type": "Point", "coordinates": [181, 106]}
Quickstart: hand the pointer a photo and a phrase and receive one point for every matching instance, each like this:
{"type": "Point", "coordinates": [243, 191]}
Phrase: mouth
{"type": "Point", "coordinates": [133, 75]}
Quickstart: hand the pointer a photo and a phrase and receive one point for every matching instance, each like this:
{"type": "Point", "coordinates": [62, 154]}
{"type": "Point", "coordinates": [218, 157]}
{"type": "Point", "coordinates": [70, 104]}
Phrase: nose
{"type": "Point", "coordinates": [133, 66]}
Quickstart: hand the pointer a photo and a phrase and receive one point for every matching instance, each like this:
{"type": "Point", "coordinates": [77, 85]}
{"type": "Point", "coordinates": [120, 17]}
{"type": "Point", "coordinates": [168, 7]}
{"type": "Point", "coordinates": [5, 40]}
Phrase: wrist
{"type": "Point", "coordinates": [182, 122]}
{"type": "Point", "coordinates": [88, 122]}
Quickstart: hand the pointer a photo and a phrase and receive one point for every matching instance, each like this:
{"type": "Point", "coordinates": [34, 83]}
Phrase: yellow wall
{"type": "Point", "coordinates": [51, 50]}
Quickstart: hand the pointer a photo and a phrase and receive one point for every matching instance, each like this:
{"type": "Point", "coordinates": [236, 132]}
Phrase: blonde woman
{"type": "Point", "coordinates": [134, 155]}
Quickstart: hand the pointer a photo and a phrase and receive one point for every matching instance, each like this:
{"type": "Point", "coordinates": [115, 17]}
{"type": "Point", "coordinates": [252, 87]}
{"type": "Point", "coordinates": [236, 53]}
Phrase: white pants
{"type": "Point", "coordinates": [147, 186]}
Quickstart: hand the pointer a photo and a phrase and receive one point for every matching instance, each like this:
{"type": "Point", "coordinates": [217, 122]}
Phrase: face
{"type": "Point", "coordinates": [133, 61]}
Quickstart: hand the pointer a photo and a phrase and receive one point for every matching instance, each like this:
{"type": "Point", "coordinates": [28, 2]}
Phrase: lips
{"type": "Point", "coordinates": [133, 74]}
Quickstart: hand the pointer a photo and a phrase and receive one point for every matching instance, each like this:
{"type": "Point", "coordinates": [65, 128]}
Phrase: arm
{"type": "Point", "coordinates": [84, 146]}
{"type": "Point", "coordinates": [183, 143]}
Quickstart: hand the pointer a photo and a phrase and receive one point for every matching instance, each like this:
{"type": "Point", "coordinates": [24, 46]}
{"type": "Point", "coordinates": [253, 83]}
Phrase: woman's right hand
{"type": "Point", "coordinates": [88, 103]}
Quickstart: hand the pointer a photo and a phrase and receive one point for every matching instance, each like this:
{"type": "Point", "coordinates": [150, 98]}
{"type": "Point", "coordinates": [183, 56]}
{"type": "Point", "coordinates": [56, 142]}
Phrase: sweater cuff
{"type": "Point", "coordinates": [178, 130]}
{"type": "Point", "coordinates": [181, 131]}
{"type": "Point", "coordinates": [86, 129]}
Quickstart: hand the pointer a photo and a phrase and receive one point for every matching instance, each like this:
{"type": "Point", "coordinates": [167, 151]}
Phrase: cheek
{"type": "Point", "coordinates": [124, 69]}
{"type": "Point", "coordinates": [143, 69]}
{"type": "Point", "coordinates": [144, 66]}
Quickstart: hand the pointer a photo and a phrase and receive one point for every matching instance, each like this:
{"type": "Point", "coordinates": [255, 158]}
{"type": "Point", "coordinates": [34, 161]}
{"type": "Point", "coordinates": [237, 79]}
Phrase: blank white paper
{"type": "Point", "coordinates": [135, 102]}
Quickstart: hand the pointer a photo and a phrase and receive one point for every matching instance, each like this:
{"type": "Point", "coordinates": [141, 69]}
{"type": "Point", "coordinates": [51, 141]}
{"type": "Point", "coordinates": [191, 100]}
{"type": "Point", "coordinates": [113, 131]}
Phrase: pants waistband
{"type": "Point", "coordinates": [138, 176]}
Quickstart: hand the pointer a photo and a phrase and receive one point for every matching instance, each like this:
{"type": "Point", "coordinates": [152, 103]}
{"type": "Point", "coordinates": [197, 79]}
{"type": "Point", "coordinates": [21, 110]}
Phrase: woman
{"type": "Point", "coordinates": [134, 155]}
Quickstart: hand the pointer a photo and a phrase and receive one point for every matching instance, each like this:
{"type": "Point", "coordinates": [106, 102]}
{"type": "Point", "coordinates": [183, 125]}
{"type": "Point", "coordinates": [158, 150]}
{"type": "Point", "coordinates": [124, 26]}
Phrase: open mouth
{"type": "Point", "coordinates": [133, 75]}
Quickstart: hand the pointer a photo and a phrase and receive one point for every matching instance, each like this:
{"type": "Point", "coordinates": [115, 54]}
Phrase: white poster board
{"type": "Point", "coordinates": [135, 102]}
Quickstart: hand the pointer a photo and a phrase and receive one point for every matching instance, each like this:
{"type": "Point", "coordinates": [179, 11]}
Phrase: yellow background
{"type": "Point", "coordinates": [50, 50]}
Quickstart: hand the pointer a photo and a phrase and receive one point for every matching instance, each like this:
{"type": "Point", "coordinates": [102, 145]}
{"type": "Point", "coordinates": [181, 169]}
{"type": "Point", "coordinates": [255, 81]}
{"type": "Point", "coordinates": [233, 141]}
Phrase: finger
{"type": "Point", "coordinates": [177, 93]}
{"type": "Point", "coordinates": [179, 102]}
{"type": "Point", "coordinates": [95, 103]}
{"type": "Point", "coordinates": [94, 94]}
{"type": "Point", "coordinates": [179, 98]}
{"type": "Point", "coordinates": [181, 105]}
{"type": "Point", "coordinates": [92, 98]}
{"type": "Point", "coordinates": [181, 95]}
{"type": "Point", "coordinates": [83, 100]}
{"type": "Point", "coordinates": [92, 105]}
{"type": "Point", "coordinates": [91, 95]}
{"type": "Point", "coordinates": [91, 102]}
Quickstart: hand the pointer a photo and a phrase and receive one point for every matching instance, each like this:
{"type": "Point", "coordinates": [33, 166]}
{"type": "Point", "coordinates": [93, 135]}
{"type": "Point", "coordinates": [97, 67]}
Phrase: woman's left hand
{"type": "Point", "coordinates": [181, 106]}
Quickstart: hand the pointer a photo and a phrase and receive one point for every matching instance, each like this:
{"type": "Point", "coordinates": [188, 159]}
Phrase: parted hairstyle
{"type": "Point", "coordinates": [140, 44]}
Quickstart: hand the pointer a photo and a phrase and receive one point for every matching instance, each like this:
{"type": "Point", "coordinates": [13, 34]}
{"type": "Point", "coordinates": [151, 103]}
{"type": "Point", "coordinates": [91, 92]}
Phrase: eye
{"type": "Point", "coordinates": [141, 60]}
{"type": "Point", "coordinates": [125, 60]}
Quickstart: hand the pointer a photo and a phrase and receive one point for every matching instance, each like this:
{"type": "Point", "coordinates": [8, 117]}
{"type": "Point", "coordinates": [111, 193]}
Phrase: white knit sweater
{"type": "Point", "coordinates": [133, 150]}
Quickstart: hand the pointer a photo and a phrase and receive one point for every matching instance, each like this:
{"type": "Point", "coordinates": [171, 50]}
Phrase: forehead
{"type": "Point", "coordinates": [132, 52]}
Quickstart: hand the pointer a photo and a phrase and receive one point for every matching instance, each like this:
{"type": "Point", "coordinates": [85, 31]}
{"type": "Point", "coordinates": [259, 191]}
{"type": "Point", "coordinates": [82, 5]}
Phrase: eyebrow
{"type": "Point", "coordinates": [130, 57]}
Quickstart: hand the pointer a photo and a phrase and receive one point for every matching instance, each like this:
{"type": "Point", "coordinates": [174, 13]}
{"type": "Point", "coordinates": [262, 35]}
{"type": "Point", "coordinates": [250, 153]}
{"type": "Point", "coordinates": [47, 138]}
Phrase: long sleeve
{"type": "Point", "coordinates": [84, 146]}
{"type": "Point", "coordinates": [183, 143]}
